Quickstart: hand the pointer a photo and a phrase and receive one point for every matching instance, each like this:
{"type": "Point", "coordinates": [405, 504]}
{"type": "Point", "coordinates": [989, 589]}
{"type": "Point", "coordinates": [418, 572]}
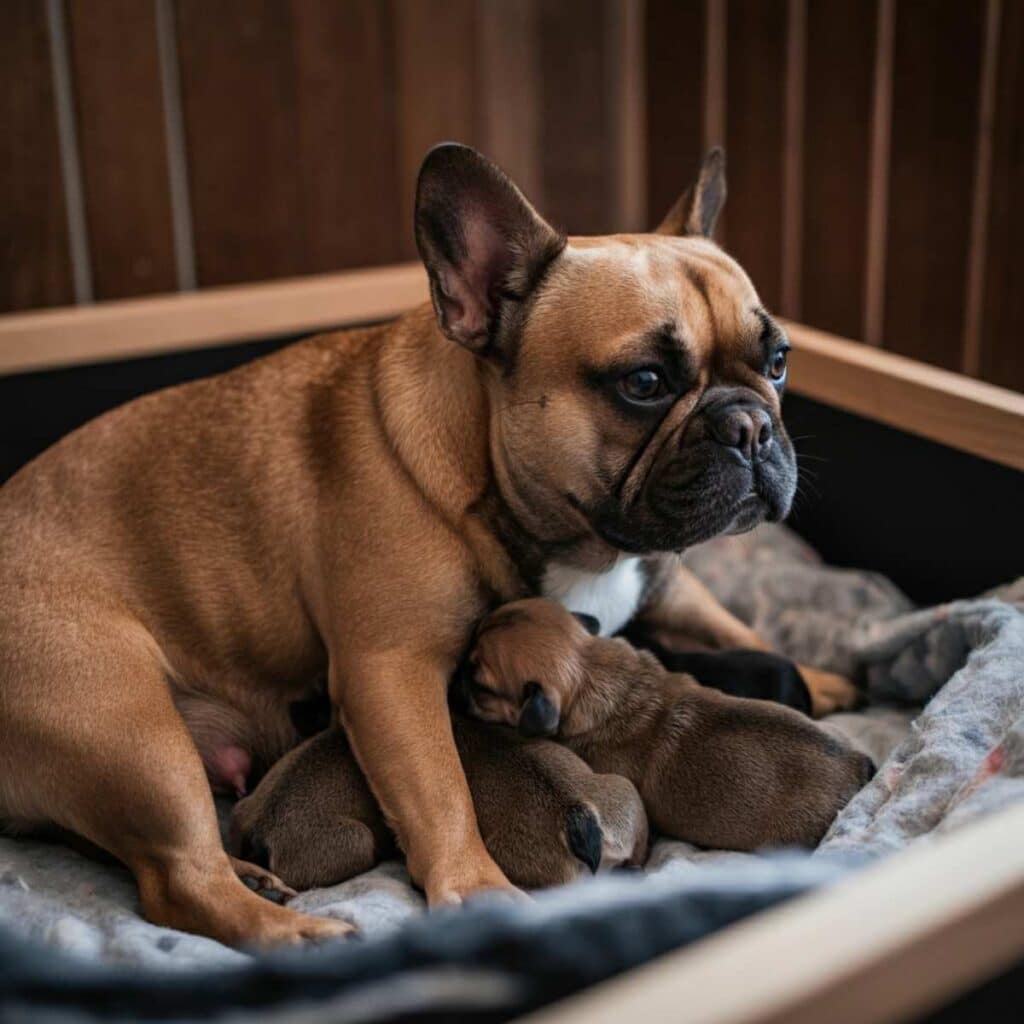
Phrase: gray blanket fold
{"type": "Point", "coordinates": [960, 756]}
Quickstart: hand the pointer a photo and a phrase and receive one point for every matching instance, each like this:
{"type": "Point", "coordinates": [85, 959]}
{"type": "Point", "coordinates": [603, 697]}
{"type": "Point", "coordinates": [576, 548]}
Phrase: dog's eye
{"type": "Point", "coordinates": [644, 385]}
{"type": "Point", "coordinates": [777, 364]}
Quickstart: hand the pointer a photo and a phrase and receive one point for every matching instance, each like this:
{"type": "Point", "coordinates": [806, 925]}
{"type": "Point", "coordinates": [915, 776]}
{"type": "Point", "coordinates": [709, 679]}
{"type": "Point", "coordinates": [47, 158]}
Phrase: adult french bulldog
{"type": "Point", "coordinates": [174, 574]}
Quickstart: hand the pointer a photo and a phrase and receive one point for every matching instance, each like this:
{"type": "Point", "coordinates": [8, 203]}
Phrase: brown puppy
{"type": "Point", "coordinates": [565, 411]}
{"type": "Point", "coordinates": [543, 814]}
{"type": "Point", "coordinates": [720, 771]}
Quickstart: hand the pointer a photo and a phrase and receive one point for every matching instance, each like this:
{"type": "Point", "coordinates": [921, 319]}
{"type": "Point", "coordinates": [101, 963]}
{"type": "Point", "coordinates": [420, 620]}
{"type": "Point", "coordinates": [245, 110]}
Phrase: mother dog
{"type": "Point", "coordinates": [176, 572]}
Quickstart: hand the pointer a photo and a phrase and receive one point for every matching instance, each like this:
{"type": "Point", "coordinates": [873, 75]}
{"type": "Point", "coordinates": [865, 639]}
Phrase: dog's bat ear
{"type": "Point", "coordinates": [481, 241]}
{"type": "Point", "coordinates": [537, 715]}
{"type": "Point", "coordinates": [588, 622]}
{"type": "Point", "coordinates": [697, 209]}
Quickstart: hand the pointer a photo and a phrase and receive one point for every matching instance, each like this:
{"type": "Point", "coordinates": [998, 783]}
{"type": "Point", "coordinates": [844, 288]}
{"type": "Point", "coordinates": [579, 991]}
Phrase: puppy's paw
{"type": "Point", "coordinates": [263, 882]}
{"type": "Point", "coordinates": [830, 692]}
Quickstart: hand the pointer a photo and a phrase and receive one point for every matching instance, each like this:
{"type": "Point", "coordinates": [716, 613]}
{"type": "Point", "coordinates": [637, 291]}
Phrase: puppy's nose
{"type": "Point", "coordinates": [745, 428]}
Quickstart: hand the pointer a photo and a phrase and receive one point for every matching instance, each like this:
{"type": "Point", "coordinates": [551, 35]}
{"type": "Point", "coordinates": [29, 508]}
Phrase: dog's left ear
{"type": "Point", "coordinates": [481, 241]}
{"type": "Point", "coordinates": [697, 209]}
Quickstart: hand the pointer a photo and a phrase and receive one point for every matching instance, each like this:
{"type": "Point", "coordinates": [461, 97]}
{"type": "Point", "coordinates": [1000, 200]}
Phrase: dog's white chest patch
{"type": "Point", "coordinates": [612, 597]}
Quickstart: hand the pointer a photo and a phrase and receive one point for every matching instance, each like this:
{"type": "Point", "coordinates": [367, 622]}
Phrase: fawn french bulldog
{"type": "Point", "coordinates": [562, 414]}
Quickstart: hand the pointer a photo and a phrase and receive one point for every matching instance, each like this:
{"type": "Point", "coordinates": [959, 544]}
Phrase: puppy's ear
{"type": "Point", "coordinates": [588, 622]}
{"type": "Point", "coordinates": [483, 244]}
{"type": "Point", "coordinates": [697, 209]}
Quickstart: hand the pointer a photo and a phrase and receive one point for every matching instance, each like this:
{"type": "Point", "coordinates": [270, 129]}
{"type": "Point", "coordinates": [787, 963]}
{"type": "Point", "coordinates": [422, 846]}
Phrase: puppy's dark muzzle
{"type": "Point", "coordinates": [537, 715]}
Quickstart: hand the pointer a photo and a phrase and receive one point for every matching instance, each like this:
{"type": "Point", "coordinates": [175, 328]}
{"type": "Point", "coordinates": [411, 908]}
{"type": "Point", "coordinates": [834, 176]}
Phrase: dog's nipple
{"type": "Point", "coordinates": [228, 768]}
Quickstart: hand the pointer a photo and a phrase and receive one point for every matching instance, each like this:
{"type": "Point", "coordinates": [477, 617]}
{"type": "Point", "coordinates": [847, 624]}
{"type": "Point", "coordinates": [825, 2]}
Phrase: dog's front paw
{"type": "Point", "coordinates": [464, 880]}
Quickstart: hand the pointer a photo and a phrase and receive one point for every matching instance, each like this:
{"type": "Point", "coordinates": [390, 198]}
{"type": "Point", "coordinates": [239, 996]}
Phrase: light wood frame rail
{"type": "Point", "coordinates": [894, 941]}
{"type": "Point", "coordinates": [946, 407]}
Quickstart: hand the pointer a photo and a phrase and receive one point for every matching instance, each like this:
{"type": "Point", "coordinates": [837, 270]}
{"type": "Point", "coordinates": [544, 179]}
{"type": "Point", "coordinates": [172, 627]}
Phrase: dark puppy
{"type": "Point", "coordinates": [716, 770]}
{"type": "Point", "coordinates": [543, 813]}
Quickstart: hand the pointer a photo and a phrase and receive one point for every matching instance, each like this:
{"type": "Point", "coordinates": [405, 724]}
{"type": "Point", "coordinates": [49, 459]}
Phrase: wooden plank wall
{"type": "Point", "coordinates": [889, 101]}
{"type": "Point", "coordinates": [875, 146]}
{"type": "Point", "coordinates": [302, 126]}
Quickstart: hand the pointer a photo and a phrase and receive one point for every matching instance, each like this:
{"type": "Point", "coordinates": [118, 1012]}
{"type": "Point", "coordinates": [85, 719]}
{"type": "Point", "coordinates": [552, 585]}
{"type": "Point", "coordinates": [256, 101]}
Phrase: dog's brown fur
{"type": "Point", "coordinates": [720, 771]}
{"type": "Point", "coordinates": [544, 815]}
{"type": "Point", "coordinates": [352, 504]}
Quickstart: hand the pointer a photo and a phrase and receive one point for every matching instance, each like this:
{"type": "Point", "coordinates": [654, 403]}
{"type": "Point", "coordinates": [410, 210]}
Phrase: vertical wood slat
{"type": "Point", "coordinates": [509, 91]}
{"type": "Point", "coordinates": [879, 176]}
{"type": "Point", "coordinates": [754, 131]}
{"type": "Point", "coordinates": [674, 47]}
{"type": "Point", "coordinates": [841, 45]}
{"type": "Point", "coordinates": [436, 71]}
{"type": "Point", "coordinates": [238, 97]}
{"type": "Point", "coordinates": [937, 57]}
{"type": "Point", "coordinates": [346, 158]}
{"type": "Point", "coordinates": [624, 85]}
{"type": "Point", "coordinates": [970, 357]}
{"type": "Point", "coordinates": [70, 162]}
{"type": "Point", "coordinates": [35, 265]}
{"type": "Point", "coordinates": [793, 158]}
{"type": "Point", "coordinates": [290, 114]}
{"type": "Point", "coordinates": [574, 131]}
{"type": "Point", "coordinates": [1002, 325]}
{"type": "Point", "coordinates": [175, 145]}
{"type": "Point", "coordinates": [716, 87]}
{"type": "Point", "coordinates": [124, 161]}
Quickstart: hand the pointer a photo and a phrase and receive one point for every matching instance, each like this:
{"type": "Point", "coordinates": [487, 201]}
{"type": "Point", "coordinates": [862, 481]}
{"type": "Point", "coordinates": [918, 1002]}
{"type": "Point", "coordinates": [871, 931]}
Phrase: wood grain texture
{"type": "Point", "coordinates": [35, 268]}
{"type": "Point", "coordinates": [576, 138]}
{"type": "Point", "coordinates": [116, 76]}
{"type": "Point", "coordinates": [437, 98]}
{"type": "Point", "coordinates": [1002, 334]}
{"type": "Point", "coordinates": [675, 34]}
{"type": "Point", "coordinates": [130, 328]}
{"type": "Point", "coordinates": [756, 77]}
{"type": "Point", "coordinates": [347, 163]}
{"type": "Point", "coordinates": [937, 63]}
{"type": "Point", "coordinates": [509, 91]}
{"type": "Point", "coordinates": [238, 99]}
{"type": "Point", "coordinates": [837, 114]}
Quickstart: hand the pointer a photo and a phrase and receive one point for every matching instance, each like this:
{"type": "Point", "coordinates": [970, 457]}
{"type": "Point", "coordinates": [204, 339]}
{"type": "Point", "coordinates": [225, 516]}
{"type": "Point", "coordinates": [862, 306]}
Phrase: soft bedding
{"type": "Point", "coordinates": [945, 724]}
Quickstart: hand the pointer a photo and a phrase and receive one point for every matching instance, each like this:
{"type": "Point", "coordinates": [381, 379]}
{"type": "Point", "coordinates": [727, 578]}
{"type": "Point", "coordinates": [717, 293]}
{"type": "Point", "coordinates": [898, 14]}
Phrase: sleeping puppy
{"type": "Point", "coordinates": [543, 813]}
{"type": "Point", "coordinates": [716, 770]}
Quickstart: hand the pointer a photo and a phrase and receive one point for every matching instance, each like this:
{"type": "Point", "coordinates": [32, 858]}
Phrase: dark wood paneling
{"type": "Point", "coordinates": [345, 105]}
{"type": "Point", "coordinates": [934, 125]}
{"type": "Point", "coordinates": [509, 90]}
{"type": "Point", "coordinates": [35, 267]}
{"type": "Point", "coordinates": [238, 97]}
{"type": "Point", "coordinates": [1002, 335]}
{"type": "Point", "coordinates": [675, 33]}
{"type": "Point", "coordinates": [754, 131]}
{"type": "Point", "coordinates": [116, 75]}
{"type": "Point", "coordinates": [436, 67]}
{"type": "Point", "coordinates": [837, 134]}
{"type": "Point", "coordinates": [576, 140]}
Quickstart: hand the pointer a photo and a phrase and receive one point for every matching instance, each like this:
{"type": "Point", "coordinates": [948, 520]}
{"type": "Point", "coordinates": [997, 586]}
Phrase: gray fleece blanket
{"type": "Point", "coordinates": [945, 723]}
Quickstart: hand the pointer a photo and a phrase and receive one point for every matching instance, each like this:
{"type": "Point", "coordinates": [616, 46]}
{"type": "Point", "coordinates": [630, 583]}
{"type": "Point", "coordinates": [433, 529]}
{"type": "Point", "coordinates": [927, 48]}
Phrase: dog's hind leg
{"type": "Point", "coordinates": [90, 740]}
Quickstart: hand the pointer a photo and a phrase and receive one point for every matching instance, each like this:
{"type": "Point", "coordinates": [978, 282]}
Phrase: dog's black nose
{"type": "Point", "coordinates": [743, 427]}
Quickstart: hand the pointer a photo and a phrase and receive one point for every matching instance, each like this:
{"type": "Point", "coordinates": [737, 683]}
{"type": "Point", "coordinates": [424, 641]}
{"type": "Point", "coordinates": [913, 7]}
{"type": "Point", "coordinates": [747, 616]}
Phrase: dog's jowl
{"type": "Point", "coordinates": [176, 573]}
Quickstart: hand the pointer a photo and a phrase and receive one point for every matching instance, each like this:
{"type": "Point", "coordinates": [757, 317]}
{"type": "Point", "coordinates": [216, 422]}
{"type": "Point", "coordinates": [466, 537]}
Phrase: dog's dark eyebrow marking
{"type": "Point", "coordinates": [772, 335]}
{"type": "Point", "coordinates": [663, 347]}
